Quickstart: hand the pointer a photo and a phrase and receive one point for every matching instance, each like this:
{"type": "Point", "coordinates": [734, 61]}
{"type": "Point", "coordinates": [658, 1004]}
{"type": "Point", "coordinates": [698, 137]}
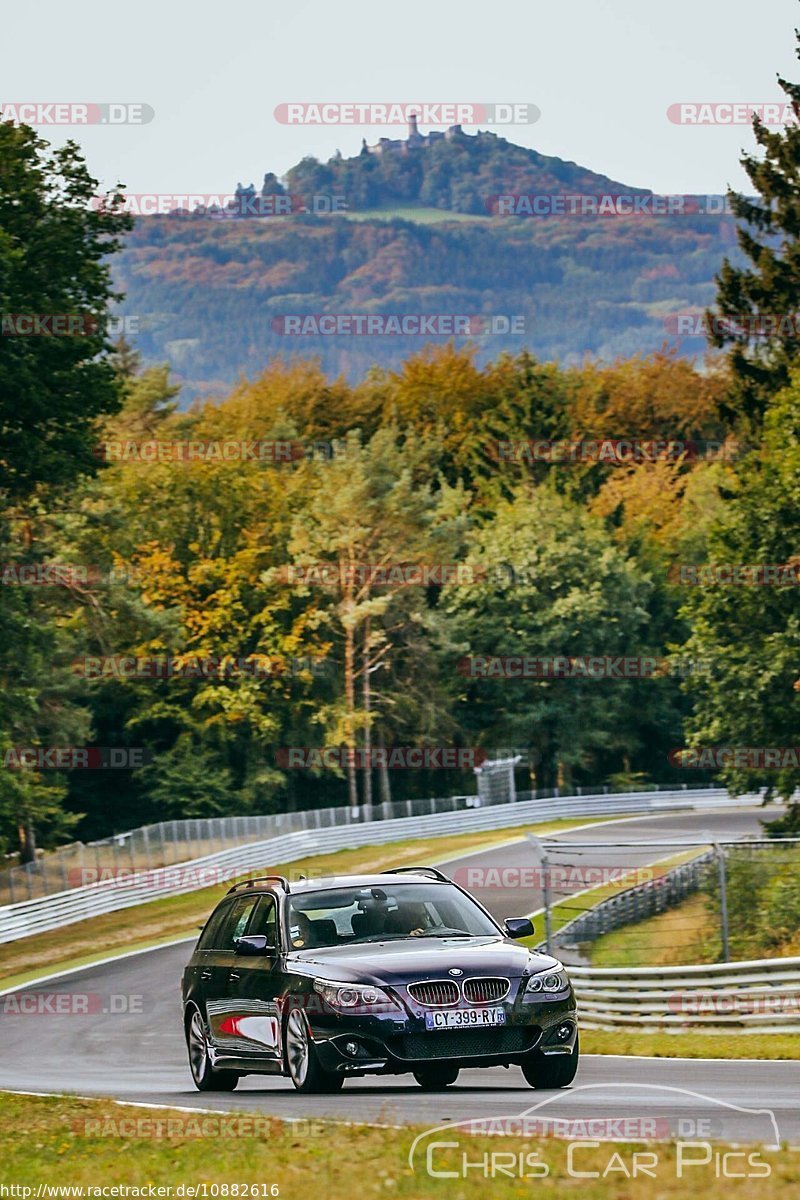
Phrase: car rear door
{"type": "Point", "coordinates": [252, 1017]}
{"type": "Point", "coordinates": [199, 974]}
{"type": "Point", "coordinates": [221, 959]}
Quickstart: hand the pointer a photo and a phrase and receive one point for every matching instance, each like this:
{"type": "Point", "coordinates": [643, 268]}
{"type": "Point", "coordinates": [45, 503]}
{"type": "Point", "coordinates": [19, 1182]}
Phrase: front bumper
{"type": "Point", "coordinates": [394, 1043]}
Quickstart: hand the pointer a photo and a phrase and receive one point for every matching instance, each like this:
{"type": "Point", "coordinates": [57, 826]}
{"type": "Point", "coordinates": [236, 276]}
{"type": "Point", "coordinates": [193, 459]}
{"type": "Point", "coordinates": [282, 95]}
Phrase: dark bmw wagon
{"type": "Point", "coordinates": [398, 972]}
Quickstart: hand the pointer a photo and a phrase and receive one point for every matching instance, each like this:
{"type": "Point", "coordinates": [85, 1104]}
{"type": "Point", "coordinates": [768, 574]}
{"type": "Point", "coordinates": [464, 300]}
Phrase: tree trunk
{"type": "Point", "coordinates": [384, 785]}
{"type": "Point", "coordinates": [27, 841]}
{"type": "Point", "coordinates": [367, 708]}
{"type": "Point", "coordinates": [350, 701]}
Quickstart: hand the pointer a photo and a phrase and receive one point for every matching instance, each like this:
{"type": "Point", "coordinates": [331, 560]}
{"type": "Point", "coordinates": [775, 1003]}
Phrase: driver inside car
{"type": "Point", "coordinates": [411, 920]}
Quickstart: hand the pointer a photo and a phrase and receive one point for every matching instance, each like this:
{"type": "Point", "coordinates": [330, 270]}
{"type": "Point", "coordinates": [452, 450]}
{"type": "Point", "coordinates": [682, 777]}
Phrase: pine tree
{"type": "Point", "coordinates": [757, 305]}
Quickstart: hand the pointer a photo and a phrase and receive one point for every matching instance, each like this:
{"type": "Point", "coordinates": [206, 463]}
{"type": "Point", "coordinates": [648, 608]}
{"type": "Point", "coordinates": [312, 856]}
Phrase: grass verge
{"type": "Point", "coordinates": [566, 910]}
{"type": "Point", "coordinates": [689, 1044]}
{"type": "Point", "coordinates": [95, 1143]}
{"type": "Point", "coordinates": [687, 933]}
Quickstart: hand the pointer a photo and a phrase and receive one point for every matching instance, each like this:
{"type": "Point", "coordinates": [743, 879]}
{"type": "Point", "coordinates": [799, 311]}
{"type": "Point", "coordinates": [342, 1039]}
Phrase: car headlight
{"type": "Point", "coordinates": [551, 980]}
{"type": "Point", "coordinates": [355, 998]}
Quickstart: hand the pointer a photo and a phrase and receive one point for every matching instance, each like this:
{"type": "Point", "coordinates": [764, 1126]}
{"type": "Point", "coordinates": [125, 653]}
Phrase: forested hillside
{"type": "Point", "coordinates": [206, 295]}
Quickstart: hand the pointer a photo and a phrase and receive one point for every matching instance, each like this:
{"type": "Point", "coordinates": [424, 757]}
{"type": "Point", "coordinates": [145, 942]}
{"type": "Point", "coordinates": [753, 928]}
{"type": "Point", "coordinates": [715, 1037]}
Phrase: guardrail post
{"type": "Point", "coordinates": [723, 902]}
{"type": "Point", "coordinates": [545, 866]}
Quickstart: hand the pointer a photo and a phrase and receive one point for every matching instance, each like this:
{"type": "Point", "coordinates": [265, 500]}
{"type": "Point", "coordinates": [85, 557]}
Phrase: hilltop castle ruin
{"type": "Point", "coordinates": [415, 139]}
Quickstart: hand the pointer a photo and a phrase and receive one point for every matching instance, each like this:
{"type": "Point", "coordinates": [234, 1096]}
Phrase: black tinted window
{"type": "Point", "coordinates": [265, 921]}
{"type": "Point", "coordinates": [209, 937]}
{"type": "Point", "coordinates": [228, 923]}
{"type": "Point", "coordinates": [236, 924]}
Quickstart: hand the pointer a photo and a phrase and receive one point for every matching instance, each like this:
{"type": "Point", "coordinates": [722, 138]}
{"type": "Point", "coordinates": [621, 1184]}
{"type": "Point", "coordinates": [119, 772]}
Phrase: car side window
{"type": "Point", "coordinates": [238, 917]}
{"type": "Point", "coordinates": [228, 923]}
{"type": "Point", "coordinates": [265, 921]}
{"type": "Point", "coordinates": [209, 938]}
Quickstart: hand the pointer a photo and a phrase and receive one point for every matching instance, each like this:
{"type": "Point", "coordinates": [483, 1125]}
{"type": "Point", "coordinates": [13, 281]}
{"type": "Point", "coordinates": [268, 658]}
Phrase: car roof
{"type": "Point", "coordinates": [331, 882]}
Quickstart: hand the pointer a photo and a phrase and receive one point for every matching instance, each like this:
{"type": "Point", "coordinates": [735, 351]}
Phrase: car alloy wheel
{"type": "Point", "coordinates": [298, 1048]}
{"type": "Point", "coordinates": [553, 1070]}
{"type": "Point", "coordinates": [302, 1064]}
{"type": "Point", "coordinates": [206, 1078]}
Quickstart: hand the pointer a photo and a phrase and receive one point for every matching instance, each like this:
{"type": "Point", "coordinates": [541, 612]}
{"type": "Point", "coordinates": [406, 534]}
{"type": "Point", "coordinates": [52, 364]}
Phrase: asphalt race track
{"type": "Point", "coordinates": [140, 1055]}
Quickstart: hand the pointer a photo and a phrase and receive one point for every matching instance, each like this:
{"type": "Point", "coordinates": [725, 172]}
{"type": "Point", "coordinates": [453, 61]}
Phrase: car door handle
{"type": "Point", "coordinates": [234, 976]}
{"type": "Point", "coordinates": [205, 974]}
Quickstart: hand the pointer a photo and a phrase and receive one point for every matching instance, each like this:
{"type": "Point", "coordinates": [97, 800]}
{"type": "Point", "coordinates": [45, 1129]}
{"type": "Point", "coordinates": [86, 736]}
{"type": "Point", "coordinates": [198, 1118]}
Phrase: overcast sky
{"type": "Point", "coordinates": [602, 72]}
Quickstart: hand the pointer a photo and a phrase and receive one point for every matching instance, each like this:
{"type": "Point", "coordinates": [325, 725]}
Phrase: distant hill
{"type": "Point", "coordinates": [457, 172]}
{"type": "Point", "coordinates": [210, 295]}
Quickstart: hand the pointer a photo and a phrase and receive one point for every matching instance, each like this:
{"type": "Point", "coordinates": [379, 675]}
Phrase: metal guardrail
{"type": "Point", "coordinates": [759, 996]}
{"type": "Point", "coordinates": [170, 842]}
{"type": "Point", "coordinates": [636, 903]}
{"type": "Point", "coordinates": [137, 886]}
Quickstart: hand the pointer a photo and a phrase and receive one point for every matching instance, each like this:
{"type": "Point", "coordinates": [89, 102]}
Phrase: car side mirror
{"type": "Point", "coordinates": [519, 927]}
{"type": "Point", "coordinates": [255, 944]}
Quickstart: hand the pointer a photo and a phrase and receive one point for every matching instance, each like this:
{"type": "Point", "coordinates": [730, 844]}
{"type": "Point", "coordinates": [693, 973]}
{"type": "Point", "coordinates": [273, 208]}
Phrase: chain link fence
{"type": "Point", "coordinates": [730, 900]}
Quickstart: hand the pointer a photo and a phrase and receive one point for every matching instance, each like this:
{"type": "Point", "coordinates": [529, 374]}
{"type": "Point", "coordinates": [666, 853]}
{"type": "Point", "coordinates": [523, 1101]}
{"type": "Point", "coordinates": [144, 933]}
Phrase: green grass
{"type": "Point", "coordinates": [84, 1143]}
{"type": "Point", "coordinates": [687, 933]}
{"type": "Point", "coordinates": [764, 918]}
{"type": "Point", "coordinates": [692, 1045]}
{"type": "Point", "coordinates": [420, 214]}
{"type": "Point", "coordinates": [570, 907]}
{"type": "Point", "coordinates": [179, 916]}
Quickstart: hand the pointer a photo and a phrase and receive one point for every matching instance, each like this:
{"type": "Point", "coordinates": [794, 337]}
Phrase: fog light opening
{"type": "Point", "coordinates": [351, 1049]}
{"type": "Point", "coordinates": [564, 1031]}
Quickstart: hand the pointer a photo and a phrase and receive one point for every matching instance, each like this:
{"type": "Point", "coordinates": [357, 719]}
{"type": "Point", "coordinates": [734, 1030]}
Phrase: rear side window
{"type": "Point", "coordinates": [209, 937]}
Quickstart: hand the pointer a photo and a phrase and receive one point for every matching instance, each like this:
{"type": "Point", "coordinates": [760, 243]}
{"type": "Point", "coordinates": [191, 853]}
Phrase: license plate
{"type": "Point", "coordinates": [465, 1018]}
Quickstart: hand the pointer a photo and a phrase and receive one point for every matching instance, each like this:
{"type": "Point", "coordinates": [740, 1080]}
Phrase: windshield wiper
{"type": "Point", "coordinates": [442, 936]}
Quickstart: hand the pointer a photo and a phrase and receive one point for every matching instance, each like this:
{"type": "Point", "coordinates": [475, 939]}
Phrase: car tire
{"type": "Point", "coordinates": [301, 1058]}
{"type": "Point", "coordinates": [551, 1071]}
{"type": "Point", "coordinates": [206, 1077]}
{"type": "Point", "coordinates": [436, 1079]}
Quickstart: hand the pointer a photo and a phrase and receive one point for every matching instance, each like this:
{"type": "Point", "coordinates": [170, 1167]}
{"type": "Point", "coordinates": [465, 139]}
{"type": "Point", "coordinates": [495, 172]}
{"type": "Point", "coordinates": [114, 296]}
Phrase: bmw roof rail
{"type": "Point", "coordinates": [417, 871]}
{"type": "Point", "coordinates": [281, 879]}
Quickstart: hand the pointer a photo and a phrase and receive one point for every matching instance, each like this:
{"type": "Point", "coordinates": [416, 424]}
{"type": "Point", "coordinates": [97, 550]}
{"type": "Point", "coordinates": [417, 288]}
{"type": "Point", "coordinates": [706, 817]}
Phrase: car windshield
{"type": "Point", "coordinates": [391, 911]}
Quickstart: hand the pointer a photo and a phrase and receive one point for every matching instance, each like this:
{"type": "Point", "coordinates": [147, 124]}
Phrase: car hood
{"type": "Point", "coordinates": [399, 962]}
